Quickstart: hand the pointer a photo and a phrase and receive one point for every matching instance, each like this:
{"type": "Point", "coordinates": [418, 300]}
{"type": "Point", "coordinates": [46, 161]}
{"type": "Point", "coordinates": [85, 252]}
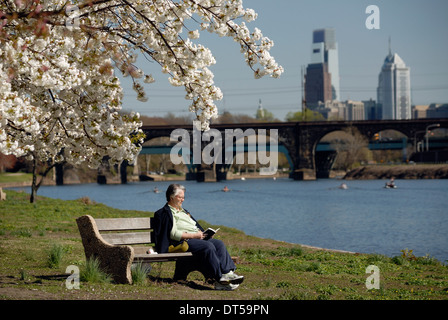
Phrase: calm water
{"type": "Point", "coordinates": [365, 218]}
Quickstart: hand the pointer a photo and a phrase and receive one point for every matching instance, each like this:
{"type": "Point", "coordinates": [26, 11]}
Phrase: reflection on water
{"type": "Point", "coordinates": [364, 218]}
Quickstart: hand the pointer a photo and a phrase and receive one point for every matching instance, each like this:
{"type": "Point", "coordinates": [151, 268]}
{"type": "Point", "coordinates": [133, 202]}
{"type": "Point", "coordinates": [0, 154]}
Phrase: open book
{"type": "Point", "coordinates": [209, 233]}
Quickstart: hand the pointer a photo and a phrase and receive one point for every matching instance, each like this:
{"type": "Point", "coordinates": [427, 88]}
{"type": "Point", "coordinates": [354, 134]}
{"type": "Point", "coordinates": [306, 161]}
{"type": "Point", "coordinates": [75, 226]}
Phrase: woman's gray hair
{"type": "Point", "coordinates": [173, 190]}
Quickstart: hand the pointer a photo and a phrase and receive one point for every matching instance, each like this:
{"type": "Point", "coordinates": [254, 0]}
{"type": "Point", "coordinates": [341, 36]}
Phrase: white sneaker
{"type": "Point", "coordinates": [225, 287]}
{"type": "Point", "coordinates": [231, 278]}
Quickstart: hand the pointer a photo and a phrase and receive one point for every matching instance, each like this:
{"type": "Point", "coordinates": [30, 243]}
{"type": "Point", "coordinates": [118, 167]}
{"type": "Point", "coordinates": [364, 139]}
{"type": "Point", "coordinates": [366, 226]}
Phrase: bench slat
{"type": "Point", "coordinates": [115, 224]}
{"type": "Point", "coordinates": [161, 257]}
{"type": "Point", "coordinates": [127, 238]}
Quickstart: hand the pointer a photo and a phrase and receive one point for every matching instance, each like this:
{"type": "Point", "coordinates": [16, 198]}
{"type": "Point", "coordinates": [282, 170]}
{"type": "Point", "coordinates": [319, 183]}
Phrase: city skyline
{"type": "Point", "coordinates": [412, 25]}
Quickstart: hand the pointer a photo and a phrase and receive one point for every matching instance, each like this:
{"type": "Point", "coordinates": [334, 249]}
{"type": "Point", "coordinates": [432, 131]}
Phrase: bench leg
{"type": "Point", "coordinates": [185, 266]}
{"type": "Point", "coordinates": [181, 272]}
{"type": "Point", "coordinates": [117, 261]}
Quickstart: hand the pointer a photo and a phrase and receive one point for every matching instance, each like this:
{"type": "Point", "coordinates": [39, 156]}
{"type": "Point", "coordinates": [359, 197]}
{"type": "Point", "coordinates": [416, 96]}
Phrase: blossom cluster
{"type": "Point", "coordinates": [159, 30]}
{"type": "Point", "coordinates": [59, 95]}
{"type": "Point", "coordinates": [59, 102]}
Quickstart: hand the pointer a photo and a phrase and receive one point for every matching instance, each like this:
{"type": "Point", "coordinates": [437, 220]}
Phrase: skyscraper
{"type": "Point", "coordinates": [394, 88]}
{"type": "Point", "coordinates": [317, 84]}
{"type": "Point", "coordinates": [325, 50]}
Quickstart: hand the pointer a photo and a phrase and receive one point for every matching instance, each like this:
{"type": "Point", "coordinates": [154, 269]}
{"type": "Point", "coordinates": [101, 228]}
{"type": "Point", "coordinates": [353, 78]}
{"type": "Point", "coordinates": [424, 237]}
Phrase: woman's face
{"type": "Point", "coordinates": [179, 199]}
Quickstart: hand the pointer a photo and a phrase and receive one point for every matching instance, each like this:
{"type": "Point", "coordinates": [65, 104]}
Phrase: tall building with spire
{"type": "Point", "coordinates": [394, 88]}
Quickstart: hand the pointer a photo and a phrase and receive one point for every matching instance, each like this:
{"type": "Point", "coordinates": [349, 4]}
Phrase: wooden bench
{"type": "Point", "coordinates": [113, 242]}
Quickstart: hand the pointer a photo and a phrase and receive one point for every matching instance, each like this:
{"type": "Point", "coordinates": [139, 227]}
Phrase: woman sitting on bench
{"type": "Point", "coordinates": [173, 225]}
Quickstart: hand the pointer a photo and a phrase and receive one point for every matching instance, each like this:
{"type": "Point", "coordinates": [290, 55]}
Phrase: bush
{"type": "Point", "coordinates": [55, 256]}
{"type": "Point", "coordinates": [428, 260]}
{"type": "Point", "coordinates": [400, 260]}
{"type": "Point", "coordinates": [93, 273]}
{"type": "Point", "coordinates": [139, 273]}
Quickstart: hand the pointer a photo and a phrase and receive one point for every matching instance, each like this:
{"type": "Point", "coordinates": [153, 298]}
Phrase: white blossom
{"type": "Point", "coordinates": [193, 34]}
{"type": "Point", "coordinates": [59, 97]}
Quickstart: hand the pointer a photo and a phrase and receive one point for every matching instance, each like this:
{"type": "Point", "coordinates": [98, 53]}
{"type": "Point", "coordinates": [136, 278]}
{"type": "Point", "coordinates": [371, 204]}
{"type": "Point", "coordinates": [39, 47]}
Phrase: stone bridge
{"type": "Point", "coordinates": [301, 138]}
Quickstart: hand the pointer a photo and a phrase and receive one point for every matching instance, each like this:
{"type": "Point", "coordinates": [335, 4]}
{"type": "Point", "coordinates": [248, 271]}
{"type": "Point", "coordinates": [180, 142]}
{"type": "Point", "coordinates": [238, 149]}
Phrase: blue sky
{"type": "Point", "coordinates": [418, 30]}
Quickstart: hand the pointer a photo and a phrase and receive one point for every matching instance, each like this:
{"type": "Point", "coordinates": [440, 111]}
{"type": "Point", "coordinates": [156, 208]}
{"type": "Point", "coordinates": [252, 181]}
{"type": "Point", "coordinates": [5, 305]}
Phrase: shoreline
{"type": "Point", "coordinates": [406, 171]}
{"type": "Point", "coordinates": [369, 172]}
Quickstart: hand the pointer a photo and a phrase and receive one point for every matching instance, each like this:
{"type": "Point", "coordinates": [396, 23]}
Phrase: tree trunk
{"type": "Point", "coordinates": [34, 185]}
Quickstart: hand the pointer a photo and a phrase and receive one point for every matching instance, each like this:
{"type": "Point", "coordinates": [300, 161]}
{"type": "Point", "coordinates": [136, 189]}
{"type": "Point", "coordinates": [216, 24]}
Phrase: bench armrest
{"type": "Point", "coordinates": [115, 260]}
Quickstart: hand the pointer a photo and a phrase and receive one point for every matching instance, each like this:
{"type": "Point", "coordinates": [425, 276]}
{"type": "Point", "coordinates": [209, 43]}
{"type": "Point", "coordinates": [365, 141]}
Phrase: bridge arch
{"type": "Point", "coordinates": [340, 150]}
{"type": "Point", "coordinates": [251, 148]}
{"type": "Point", "coordinates": [154, 157]}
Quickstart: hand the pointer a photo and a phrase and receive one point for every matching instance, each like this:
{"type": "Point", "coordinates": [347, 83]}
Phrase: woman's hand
{"type": "Point", "coordinates": [200, 235]}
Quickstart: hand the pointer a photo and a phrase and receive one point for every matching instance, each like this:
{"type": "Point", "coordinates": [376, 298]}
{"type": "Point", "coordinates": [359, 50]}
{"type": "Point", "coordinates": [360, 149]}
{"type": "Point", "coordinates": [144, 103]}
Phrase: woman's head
{"type": "Point", "coordinates": [173, 190]}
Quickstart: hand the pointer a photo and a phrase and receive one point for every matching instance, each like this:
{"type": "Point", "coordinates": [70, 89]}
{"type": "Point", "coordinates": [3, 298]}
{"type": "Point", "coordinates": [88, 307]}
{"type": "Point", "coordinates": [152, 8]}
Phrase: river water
{"type": "Point", "coordinates": [365, 218]}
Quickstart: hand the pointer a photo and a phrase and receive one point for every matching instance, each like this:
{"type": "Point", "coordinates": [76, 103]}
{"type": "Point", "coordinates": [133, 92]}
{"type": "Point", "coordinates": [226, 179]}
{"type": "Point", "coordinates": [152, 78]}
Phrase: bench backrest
{"type": "Point", "coordinates": [126, 231]}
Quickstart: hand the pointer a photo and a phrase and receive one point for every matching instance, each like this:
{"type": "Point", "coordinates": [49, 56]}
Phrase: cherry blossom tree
{"type": "Point", "coordinates": [60, 99]}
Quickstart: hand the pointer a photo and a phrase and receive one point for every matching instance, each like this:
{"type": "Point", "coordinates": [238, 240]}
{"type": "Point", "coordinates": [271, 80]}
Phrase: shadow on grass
{"type": "Point", "coordinates": [190, 284]}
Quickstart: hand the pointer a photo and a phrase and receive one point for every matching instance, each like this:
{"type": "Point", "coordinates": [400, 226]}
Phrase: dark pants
{"type": "Point", "coordinates": [213, 257]}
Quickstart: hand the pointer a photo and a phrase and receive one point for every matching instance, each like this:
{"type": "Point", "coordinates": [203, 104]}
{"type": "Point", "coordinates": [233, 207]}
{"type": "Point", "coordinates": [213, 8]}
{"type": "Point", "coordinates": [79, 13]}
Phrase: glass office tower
{"type": "Point", "coordinates": [394, 89]}
{"type": "Point", "coordinates": [325, 51]}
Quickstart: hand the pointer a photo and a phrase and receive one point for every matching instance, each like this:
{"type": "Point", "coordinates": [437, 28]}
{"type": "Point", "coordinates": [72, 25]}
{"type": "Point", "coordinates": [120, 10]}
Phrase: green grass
{"type": "Point", "coordinates": [39, 241]}
{"type": "Point", "coordinates": [15, 177]}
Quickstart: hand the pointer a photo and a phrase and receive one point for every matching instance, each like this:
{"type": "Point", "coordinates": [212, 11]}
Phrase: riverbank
{"type": "Point", "coordinates": [412, 171]}
{"type": "Point", "coordinates": [273, 270]}
{"type": "Point", "coordinates": [429, 171]}
{"type": "Point", "coordinates": [10, 180]}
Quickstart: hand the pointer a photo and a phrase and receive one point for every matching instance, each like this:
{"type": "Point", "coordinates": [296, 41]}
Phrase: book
{"type": "Point", "coordinates": [210, 233]}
